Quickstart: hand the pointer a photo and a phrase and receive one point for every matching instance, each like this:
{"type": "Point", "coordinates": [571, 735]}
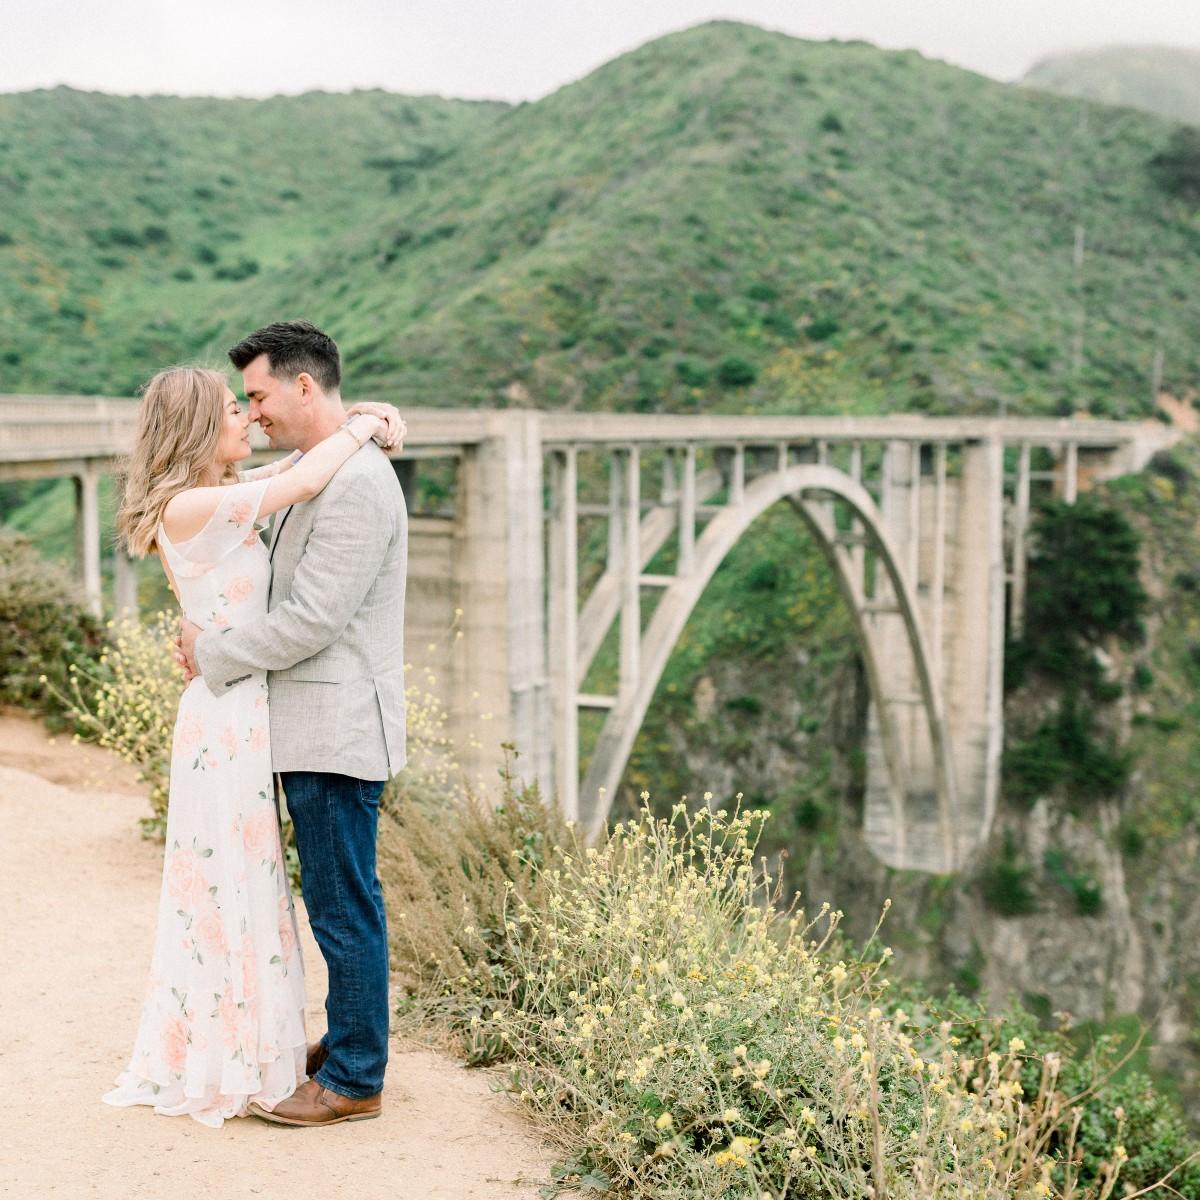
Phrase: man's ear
{"type": "Point", "coordinates": [306, 387]}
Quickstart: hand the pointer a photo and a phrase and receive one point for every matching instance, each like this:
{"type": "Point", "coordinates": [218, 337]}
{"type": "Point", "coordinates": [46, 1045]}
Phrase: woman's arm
{"type": "Point", "coordinates": [265, 472]}
{"type": "Point", "coordinates": [187, 513]}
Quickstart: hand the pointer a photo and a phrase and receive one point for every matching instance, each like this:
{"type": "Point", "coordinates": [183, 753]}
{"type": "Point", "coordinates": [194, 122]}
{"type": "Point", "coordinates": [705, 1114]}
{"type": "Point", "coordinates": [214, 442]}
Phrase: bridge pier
{"type": "Point", "coordinates": [87, 533]}
{"type": "Point", "coordinates": [501, 689]}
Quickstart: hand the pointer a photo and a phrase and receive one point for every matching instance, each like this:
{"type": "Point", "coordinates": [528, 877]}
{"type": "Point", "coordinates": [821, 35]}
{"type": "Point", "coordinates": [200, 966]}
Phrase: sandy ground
{"type": "Point", "coordinates": [78, 889]}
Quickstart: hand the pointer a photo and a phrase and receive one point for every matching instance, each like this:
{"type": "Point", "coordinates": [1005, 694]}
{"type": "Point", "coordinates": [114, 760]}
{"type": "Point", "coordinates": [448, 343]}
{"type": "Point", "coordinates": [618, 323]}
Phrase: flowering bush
{"type": "Point", "coordinates": [684, 1036]}
{"type": "Point", "coordinates": [128, 701]}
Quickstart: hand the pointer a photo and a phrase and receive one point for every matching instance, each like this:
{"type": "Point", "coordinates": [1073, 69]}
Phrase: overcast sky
{"type": "Point", "coordinates": [506, 49]}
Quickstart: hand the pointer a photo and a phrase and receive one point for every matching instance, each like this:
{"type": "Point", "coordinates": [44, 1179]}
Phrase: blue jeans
{"type": "Point", "coordinates": [335, 818]}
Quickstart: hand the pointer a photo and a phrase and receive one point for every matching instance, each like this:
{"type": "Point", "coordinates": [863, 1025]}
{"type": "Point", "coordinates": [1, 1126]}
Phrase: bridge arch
{"type": "Point", "coordinates": [809, 487]}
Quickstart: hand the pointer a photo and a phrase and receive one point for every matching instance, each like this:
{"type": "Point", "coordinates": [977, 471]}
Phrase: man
{"type": "Point", "coordinates": [332, 643]}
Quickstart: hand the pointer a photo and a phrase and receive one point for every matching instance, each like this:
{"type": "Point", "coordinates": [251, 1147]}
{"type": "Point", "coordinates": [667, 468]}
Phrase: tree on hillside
{"type": "Point", "coordinates": [1176, 168]}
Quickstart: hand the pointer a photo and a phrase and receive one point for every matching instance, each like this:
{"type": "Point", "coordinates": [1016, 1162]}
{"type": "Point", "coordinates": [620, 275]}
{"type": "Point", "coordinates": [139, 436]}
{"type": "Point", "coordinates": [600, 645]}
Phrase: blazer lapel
{"type": "Point", "coordinates": [276, 526]}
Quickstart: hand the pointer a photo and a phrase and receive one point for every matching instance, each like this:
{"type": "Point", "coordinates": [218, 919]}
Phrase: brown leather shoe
{"type": "Point", "coordinates": [317, 1054]}
{"type": "Point", "coordinates": [312, 1104]}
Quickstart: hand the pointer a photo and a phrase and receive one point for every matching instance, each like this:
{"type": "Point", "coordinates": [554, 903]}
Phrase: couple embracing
{"type": "Point", "coordinates": [293, 651]}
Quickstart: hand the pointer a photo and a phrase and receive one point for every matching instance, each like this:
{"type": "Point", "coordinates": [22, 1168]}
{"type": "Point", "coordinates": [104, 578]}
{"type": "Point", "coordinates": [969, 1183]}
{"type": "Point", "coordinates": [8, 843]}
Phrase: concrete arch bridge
{"type": "Point", "coordinates": [923, 520]}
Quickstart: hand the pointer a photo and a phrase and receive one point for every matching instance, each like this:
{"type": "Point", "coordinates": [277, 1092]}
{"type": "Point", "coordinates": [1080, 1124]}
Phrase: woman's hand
{"type": "Point", "coordinates": [391, 437]}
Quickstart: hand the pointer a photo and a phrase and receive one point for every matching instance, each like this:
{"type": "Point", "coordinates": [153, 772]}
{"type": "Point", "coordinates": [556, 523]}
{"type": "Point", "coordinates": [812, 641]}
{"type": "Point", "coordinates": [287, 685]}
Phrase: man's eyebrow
{"type": "Point", "coordinates": [252, 392]}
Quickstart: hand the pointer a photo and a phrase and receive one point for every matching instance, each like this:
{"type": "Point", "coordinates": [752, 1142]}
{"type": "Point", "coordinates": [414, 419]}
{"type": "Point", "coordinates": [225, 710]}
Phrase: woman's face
{"type": "Point", "coordinates": [234, 444]}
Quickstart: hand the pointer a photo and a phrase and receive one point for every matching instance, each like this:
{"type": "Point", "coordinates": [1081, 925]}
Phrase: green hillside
{"type": "Point", "coordinates": [127, 222]}
{"type": "Point", "coordinates": [1160, 79]}
{"type": "Point", "coordinates": [724, 218]}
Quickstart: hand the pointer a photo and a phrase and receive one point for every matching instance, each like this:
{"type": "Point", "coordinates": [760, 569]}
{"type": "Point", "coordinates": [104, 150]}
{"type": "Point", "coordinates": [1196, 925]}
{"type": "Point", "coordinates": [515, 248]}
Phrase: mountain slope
{"type": "Point", "coordinates": [1161, 79]}
{"type": "Point", "coordinates": [126, 221]}
{"type": "Point", "coordinates": [724, 218]}
{"type": "Point", "coordinates": [859, 230]}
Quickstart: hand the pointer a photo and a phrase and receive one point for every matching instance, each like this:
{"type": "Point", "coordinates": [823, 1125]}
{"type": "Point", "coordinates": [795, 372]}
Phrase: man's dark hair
{"type": "Point", "coordinates": [292, 347]}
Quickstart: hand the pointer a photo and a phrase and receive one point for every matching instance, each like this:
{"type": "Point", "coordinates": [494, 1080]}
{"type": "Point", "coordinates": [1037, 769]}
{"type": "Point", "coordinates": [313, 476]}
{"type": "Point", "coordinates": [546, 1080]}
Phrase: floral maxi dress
{"type": "Point", "coordinates": [223, 1019]}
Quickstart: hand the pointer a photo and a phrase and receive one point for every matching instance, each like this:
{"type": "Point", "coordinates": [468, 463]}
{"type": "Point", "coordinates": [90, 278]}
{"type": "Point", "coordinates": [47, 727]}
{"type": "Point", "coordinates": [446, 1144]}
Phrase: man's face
{"type": "Point", "coordinates": [274, 403]}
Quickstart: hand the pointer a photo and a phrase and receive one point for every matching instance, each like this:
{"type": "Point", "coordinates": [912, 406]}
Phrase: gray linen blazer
{"type": "Point", "coordinates": [332, 641]}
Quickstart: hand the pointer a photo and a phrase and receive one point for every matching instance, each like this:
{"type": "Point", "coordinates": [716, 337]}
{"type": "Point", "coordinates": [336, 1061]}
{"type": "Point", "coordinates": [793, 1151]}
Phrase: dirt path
{"type": "Point", "coordinates": [78, 889]}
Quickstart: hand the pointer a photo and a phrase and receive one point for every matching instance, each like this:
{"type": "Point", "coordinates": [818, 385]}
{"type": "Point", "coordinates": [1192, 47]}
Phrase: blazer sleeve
{"type": "Point", "coordinates": [346, 547]}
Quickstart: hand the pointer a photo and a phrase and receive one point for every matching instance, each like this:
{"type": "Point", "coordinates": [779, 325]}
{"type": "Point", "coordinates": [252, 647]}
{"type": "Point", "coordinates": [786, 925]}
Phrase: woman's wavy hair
{"type": "Point", "coordinates": [174, 448]}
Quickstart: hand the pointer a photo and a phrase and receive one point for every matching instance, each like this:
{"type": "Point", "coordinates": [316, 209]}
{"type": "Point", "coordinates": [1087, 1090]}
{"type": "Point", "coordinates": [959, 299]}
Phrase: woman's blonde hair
{"type": "Point", "coordinates": [174, 448]}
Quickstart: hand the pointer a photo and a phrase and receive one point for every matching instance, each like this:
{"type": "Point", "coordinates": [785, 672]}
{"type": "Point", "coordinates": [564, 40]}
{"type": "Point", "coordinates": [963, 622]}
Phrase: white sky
{"type": "Point", "coordinates": [507, 49]}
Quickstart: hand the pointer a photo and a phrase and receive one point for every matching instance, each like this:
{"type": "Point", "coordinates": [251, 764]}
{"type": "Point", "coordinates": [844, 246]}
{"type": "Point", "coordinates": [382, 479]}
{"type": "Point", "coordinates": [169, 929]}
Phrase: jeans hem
{"type": "Point", "coordinates": [341, 1091]}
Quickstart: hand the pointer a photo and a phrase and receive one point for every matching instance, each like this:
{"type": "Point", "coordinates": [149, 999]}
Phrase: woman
{"type": "Point", "coordinates": [223, 1018]}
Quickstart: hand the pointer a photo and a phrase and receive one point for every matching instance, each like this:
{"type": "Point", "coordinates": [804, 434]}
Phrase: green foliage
{"type": "Point", "coordinates": [1006, 883]}
{"type": "Point", "coordinates": [553, 240]}
{"type": "Point", "coordinates": [1177, 167]}
{"type": "Point", "coordinates": [1082, 885]}
{"type": "Point", "coordinates": [1084, 587]}
{"type": "Point", "coordinates": [1065, 750]}
{"type": "Point", "coordinates": [736, 372]}
{"type": "Point", "coordinates": [1121, 1102]}
{"type": "Point", "coordinates": [45, 630]}
{"type": "Point", "coordinates": [242, 269]}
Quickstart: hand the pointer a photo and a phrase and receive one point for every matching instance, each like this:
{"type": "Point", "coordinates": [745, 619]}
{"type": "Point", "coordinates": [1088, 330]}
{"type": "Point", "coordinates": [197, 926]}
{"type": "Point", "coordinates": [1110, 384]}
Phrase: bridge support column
{"type": "Point", "coordinates": [564, 625]}
{"type": "Point", "coordinates": [87, 533]}
{"type": "Point", "coordinates": [501, 685]}
{"type": "Point", "coordinates": [973, 677]}
{"type": "Point", "coordinates": [918, 841]}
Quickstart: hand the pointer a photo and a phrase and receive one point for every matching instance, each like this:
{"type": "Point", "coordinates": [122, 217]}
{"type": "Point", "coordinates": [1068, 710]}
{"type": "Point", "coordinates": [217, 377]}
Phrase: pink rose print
{"type": "Point", "coordinates": [219, 620]}
{"type": "Point", "coordinates": [227, 1012]}
{"type": "Point", "coordinates": [258, 832]}
{"type": "Point", "coordinates": [249, 969]}
{"type": "Point", "coordinates": [258, 739]}
{"type": "Point", "coordinates": [185, 880]}
{"type": "Point", "coordinates": [229, 740]}
{"type": "Point", "coordinates": [251, 538]}
{"type": "Point", "coordinates": [239, 588]}
{"type": "Point", "coordinates": [240, 512]}
{"type": "Point", "coordinates": [287, 933]}
{"type": "Point", "coordinates": [210, 760]}
{"type": "Point", "coordinates": [191, 730]}
{"type": "Point", "coordinates": [209, 931]}
{"type": "Point", "coordinates": [174, 1043]}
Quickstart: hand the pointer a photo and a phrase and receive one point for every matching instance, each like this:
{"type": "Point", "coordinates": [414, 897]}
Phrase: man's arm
{"type": "Point", "coordinates": [345, 549]}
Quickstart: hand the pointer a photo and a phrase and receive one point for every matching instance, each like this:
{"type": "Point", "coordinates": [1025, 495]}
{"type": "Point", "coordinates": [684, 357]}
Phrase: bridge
{"type": "Point", "coordinates": [568, 548]}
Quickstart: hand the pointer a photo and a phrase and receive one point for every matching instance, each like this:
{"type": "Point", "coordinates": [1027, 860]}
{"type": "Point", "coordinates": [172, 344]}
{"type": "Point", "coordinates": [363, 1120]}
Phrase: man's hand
{"type": "Point", "coordinates": [185, 649]}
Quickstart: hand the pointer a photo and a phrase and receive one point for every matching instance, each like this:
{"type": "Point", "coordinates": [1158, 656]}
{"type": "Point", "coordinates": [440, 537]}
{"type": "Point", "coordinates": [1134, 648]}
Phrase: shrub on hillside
{"type": "Point", "coordinates": [45, 629]}
{"type": "Point", "coordinates": [683, 1036]}
{"type": "Point", "coordinates": [736, 372]}
{"type": "Point", "coordinates": [1065, 750]}
{"type": "Point", "coordinates": [242, 269]}
{"type": "Point", "coordinates": [1084, 586]}
{"type": "Point", "coordinates": [1176, 168]}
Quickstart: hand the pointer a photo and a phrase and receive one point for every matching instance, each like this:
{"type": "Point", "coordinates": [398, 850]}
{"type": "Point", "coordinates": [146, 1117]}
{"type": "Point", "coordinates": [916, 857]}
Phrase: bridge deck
{"type": "Point", "coordinates": [50, 428]}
